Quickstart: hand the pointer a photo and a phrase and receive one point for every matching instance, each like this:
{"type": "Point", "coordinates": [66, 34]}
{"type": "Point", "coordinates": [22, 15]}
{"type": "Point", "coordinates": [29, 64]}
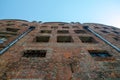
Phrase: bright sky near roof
{"type": "Point", "coordinates": [83, 11]}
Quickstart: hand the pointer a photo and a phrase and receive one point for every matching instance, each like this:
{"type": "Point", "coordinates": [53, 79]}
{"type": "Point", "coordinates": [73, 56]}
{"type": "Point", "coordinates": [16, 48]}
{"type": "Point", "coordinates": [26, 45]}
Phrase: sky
{"type": "Point", "coordinates": [83, 11]}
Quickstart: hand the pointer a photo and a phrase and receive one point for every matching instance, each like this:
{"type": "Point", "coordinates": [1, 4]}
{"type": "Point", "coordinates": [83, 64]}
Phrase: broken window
{"type": "Point", "coordinates": [34, 53]}
{"type": "Point", "coordinates": [99, 53]}
{"type": "Point", "coordinates": [12, 29]}
{"type": "Point", "coordinates": [42, 39]}
{"type": "Point", "coordinates": [63, 31]}
{"type": "Point", "coordinates": [45, 31]}
{"type": "Point", "coordinates": [79, 31]}
{"type": "Point", "coordinates": [87, 39]}
{"type": "Point", "coordinates": [64, 39]}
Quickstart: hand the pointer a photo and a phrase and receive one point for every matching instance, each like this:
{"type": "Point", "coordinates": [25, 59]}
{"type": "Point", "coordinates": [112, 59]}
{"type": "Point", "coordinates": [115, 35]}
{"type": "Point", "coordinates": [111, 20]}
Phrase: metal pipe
{"type": "Point", "coordinates": [18, 38]}
{"type": "Point", "coordinates": [99, 36]}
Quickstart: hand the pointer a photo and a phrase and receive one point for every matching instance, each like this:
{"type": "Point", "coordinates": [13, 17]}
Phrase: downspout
{"type": "Point", "coordinates": [103, 39]}
{"type": "Point", "coordinates": [17, 39]}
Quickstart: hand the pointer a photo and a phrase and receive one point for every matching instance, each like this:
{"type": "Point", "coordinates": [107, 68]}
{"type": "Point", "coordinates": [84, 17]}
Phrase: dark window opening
{"type": "Point", "coordinates": [45, 31]}
{"type": "Point", "coordinates": [24, 24]}
{"type": "Point", "coordinates": [66, 27]}
{"type": "Point", "coordinates": [114, 28]}
{"type": "Point", "coordinates": [64, 39]}
{"type": "Point", "coordinates": [116, 32]}
{"type": "Point", "coordinates": [88, 39]}
{"type": "Point", "coordinates": [42, 39]}
{"type": "Point", "coordinates": [35, 53]}
{"type": "Point", "coordinates": [12, 29]}
{"type": "Point", "coordinates": [63, 31]}
{"type": "Point", "coordinates": [79, 31]}
{"type": "Point", "coordinates": [54, 27]}
{"type": "Point", "coordinates": [104, 31]}
{"type": "Point", "coordinates": [105, 27]}
{"type": "Point", "coordinates": [99, 53]}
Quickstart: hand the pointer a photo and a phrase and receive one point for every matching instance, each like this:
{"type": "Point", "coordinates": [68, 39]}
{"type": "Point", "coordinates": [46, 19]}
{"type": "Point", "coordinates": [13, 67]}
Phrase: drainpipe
{"type": "Point", "coordinates": [17, 39]}
{"type": "Point", "coordinates": [103, 39]}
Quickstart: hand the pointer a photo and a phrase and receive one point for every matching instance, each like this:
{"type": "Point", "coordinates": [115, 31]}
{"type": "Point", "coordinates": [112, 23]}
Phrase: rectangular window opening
{"type": "Point", "coordinates": [63, 31]}
{"type": "Point", "coordinates": [12, 29]}
{"type": "Point", "coordinates": [87, 39]}
{"type": "Point", "coordinates": [35, 53]}
{"type": "Point", "coordinates": [99, 53]}
{"type": "Point", "coordinates": [42, 39]}
{"type": "Point", "coordinates": [66, 27]}
{"type": "Point", "coordinates": [64, 39]}
{"type": "Point", "coordinates": [104, 31]}
{"type": "Point", "coordinates": [79, 31]}
{"type": "Point", "coordinates": [54, 27]}
{"type": "Point", "coordinates": [45, 31]}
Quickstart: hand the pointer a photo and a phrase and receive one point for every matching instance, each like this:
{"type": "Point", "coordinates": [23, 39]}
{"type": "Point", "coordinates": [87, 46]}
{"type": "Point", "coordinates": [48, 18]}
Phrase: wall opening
{"type": "Point", "coordinates": [35, 53]}
{"type": "Point", "coordinates": [45, 31]}
{"type": "Point", "coordinates": [64, 39]}
{"type": "Point", "coordinates": [104, 31]}
{"type": "Point", "coordinates": [99, 53]}
{"type": "Point", "coordinates": [12, 29]}
{"type": "Point", "coordinates": [54, 27]}
{"type": "Point", "coordinates": [42, 38]}
{"type": "Point", "coordinates": [65, 27]}
{"type": "Point", "coordinates": [79, 31]}
{"type": "Point", "coordinates": [62, 31]}
{"type": "Point", "coordinates": [87, 39]}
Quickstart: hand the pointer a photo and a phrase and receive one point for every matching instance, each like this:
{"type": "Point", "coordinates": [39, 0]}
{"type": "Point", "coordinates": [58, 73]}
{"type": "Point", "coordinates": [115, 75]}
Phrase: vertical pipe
{"type": "Point", "coordinates": [99, 36]}
{"type": "Point", "coordinates": [18, 38]}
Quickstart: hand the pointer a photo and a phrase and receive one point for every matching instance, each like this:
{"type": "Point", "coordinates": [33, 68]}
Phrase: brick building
{"type": "Point", "coordinates": [58, 51]}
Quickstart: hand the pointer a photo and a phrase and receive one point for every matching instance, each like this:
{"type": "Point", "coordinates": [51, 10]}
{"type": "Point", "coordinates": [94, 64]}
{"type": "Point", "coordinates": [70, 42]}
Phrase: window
{"type": "Point", "coordinates": [42, 39]}
{"type": "Point", "coordinates": [34, 53]}
{"type": "Point", "coordinates": [87, 39]}
{"type": "Point", "coordinates": [54, 27]}
{"type": "Point", "coordinates": [66, 27]}
{"type": "Point", "coordinates": [12, 29]}
{"type": "Point", "coordinates": [115, 32]}
{"type": "Point", "coordinates": [105, 27]}
{"type": "Point", "coordinates": [99, 53]}
{"type": "Point", "coordinates": [64, 39]}
{"type": "Point", "coordinates": [24, 24]}
{"type": "Point", "coordinates": [104, 31]}
{"type": "Point", "coordinates": [45, 31]}
{"type": "Point", "coordinates": [63, 31]}
{"type": "Point", "coordinates": [79, 31]}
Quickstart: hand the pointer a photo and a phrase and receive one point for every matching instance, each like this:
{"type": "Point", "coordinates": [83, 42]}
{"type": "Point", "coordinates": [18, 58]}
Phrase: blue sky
{"type": "Point", "coordinates": [92, 11]}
